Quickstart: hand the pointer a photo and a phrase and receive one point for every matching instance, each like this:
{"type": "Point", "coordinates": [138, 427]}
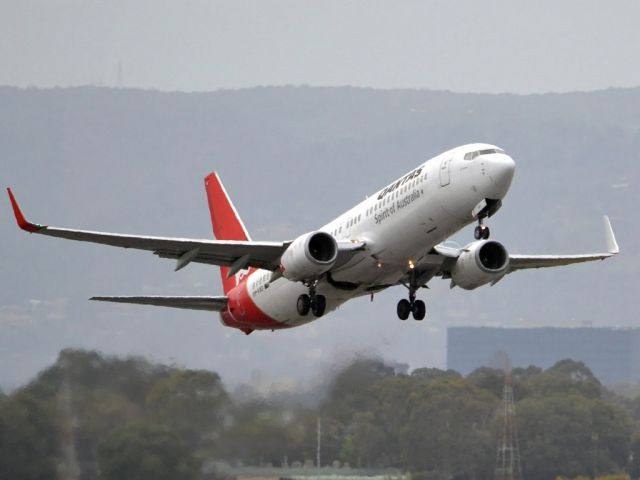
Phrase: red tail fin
{"type": "Point", "coordinates": [225, 220]}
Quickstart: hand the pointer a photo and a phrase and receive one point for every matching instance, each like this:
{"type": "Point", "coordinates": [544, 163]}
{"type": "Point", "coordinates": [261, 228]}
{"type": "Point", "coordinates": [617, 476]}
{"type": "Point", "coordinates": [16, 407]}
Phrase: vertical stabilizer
{"type": "Point", "coordinates": [224, 219]}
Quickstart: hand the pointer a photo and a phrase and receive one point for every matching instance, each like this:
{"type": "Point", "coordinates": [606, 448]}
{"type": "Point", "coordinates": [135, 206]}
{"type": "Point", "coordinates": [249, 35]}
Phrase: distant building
{"type": "Point", "coordinates": [613, 354]}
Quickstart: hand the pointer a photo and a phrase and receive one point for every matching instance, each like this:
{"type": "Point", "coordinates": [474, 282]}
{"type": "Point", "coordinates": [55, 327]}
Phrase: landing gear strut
{"type": "Point", "coordinates": [416, 307]}
{"type": "Point", "coordinates": [314, 302]}
{"type": "Point", "coordinates": [481, 232]}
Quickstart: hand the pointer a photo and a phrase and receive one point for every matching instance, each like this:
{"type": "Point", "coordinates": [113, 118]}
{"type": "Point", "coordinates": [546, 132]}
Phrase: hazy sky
{"type": "Point", "coordinates": [488, 46]}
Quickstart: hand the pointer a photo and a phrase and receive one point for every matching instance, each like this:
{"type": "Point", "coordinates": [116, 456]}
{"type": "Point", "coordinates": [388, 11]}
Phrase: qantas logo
{"type": "Point", "coordinates": [407, 178]}
{"type": "Point", "coordinates": [240, 276]}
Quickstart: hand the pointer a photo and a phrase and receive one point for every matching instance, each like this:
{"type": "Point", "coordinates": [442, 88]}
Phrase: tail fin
{"type": "Point", "coordinates": [224, 219]}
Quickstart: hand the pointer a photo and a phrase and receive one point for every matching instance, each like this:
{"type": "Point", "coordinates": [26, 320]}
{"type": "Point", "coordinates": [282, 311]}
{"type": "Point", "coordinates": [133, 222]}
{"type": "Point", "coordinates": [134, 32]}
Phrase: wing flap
{"type": "Point", "coordinates": [212, 304]}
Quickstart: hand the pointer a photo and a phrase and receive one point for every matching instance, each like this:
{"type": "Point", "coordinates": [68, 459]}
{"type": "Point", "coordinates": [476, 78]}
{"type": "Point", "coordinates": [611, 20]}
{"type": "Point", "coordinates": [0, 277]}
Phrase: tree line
{"type": "Point", "coordinates": [94, 416]}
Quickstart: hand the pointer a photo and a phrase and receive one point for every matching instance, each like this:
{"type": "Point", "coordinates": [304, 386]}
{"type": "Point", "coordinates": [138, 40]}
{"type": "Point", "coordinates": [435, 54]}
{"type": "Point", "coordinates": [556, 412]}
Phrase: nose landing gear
{"type": "Point", "coordinates": [481, 232]}
{"type": "Point", "coordinates": [413, 306]}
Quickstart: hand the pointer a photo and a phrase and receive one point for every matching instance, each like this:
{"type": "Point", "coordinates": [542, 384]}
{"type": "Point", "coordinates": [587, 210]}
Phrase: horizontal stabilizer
{"type": "Point", "coordinates": [214, 304]}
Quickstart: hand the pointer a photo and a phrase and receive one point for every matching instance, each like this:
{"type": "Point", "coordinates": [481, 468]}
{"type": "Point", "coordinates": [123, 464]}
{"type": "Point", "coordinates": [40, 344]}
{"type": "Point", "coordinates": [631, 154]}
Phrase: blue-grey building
{"type": "Point", "coordinates": [613, 354]}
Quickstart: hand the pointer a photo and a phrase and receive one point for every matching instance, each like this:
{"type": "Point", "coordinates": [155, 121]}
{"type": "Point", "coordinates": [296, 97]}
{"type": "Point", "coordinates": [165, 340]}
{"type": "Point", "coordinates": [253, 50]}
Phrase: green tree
{"type": "Point", "coordinates": [490, 379]}
{"type": "Point", "coordinates": [570, 434]}
{"type": "Point", "coordinates": [193, 404]}
{"type": "Point", "coordinates": [262, 433]}
{"type": "Point", "coordinates": [634, 457]}
{"type": "Point", "coordinates": [429, 374]}
{"type": "Point", "coordinates": [565, 377]}
{"type": "Point", "coordinates": [450, 429]}
{"type": "Point", "coordinates": [141, 452]}
{"type": "Point", "coordinates": [131, 377]}
{"type": "Point", "coordinates": [28, 438]}
{"type": "Point", "coordinates": [368, 439]}
{"type": "Point", "coordinates": [348, 392]}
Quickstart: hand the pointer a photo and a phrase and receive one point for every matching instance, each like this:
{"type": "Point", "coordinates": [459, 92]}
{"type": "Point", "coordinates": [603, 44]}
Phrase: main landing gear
{"type": "Point", "coordinates": [481, 232]}
{"type": "Point", "coordinates": [313, 302]}
{"type": "Point", "coordinates": [416, 307]}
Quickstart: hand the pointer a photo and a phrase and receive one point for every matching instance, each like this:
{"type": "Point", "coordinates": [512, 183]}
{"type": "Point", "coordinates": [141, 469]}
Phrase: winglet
{"type": "Point", "coordinates": [22, 222]}
{"type": "Point", "coordinates": [612, 245]}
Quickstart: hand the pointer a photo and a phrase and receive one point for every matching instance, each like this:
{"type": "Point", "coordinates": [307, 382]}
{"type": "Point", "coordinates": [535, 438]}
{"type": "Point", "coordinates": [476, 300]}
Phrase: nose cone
{"type": "Point", "coordinates": [500, 168]}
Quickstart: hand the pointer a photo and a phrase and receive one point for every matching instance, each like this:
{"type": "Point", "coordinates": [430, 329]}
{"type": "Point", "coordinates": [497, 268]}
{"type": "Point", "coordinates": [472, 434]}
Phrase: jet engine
{"type": "Point", "coordinates": [481, 262]}
{"type": "Point", "coordinates": [309, 256]}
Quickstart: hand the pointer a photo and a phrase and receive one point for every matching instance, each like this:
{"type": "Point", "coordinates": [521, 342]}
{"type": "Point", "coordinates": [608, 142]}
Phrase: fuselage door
{"type": "Point", "coordinates": [445, 168]}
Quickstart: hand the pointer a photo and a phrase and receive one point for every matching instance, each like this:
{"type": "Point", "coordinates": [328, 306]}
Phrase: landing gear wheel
{"type": "Point", "coordinates": [404, 309]}
{"type": "Point", "coordinates": [419, 310]}
{"type": "Point", "coordinates": [303, 305]}
{"type": "Point", "coordinates": [481, 232]}
{"type": "Point", "coordinates": [318, 305]}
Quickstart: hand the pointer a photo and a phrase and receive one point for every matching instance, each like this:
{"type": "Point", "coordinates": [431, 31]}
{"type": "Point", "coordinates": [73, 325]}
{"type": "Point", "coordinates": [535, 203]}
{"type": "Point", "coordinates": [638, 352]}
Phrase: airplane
{"type": "Point", "coordinates": [394, 237]}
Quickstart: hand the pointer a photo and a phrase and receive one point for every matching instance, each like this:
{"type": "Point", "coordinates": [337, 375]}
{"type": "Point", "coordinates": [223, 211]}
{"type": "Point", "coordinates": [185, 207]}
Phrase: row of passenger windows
{"type": "Point", "coordinates": [388, 198]}
{"type": "Point", "coordinates": [472, 155]}
{"type": "Point", "coordinates": [264, 278]}
{"type": "Point", "coordinates": [350, 223]}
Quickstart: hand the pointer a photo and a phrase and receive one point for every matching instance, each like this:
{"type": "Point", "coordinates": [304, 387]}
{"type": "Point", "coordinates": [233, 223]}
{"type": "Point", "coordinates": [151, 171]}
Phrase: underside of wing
{"type": "Point", "coordinates": [213, 304]}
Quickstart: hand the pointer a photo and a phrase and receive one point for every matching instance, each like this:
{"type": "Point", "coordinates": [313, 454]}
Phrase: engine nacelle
{"type": "Point", "coordinates": [309, 256]}
{"type": "Point", "coordinates": [481, 262]}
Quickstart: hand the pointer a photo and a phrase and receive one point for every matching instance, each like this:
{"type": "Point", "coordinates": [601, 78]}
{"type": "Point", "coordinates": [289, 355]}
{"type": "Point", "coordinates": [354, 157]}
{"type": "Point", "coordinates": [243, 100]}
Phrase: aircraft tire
{"type": "Point", "coordinates": [419, 310]}
{"type": "Point", "coordinates": [318, 305]}
{"type": "Point", "coordinates": [481, 232]}
{"type": "Point", "coordinates": [303, 304]}
{"type": "Point", "coordinates": [404, 309]}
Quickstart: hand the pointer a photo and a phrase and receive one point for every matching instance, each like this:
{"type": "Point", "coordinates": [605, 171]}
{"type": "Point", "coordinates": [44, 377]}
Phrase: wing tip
{"type": "Point", "coordinates": [22, 222]}
{"type": "Point", "coordinates": [612, 245]}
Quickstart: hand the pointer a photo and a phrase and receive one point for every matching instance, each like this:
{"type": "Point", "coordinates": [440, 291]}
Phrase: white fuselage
{"type": "Point", "coordinates": [400, 224]}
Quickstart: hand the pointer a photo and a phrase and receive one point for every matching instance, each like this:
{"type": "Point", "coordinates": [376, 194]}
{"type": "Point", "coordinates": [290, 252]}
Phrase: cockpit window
{"type": "Point", "coordinates": [472, 155]}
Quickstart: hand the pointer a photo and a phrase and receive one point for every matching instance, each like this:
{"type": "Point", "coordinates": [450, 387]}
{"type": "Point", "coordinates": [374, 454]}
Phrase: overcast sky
{"type": "Point", "coordinates": [465, 46]}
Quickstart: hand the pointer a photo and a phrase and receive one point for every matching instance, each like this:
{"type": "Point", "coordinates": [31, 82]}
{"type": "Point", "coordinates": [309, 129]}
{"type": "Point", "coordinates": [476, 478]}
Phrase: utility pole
{"type": "Point", "coordinates": [319, 432]}
{"type": "Point", "coordinates": [508, 465]}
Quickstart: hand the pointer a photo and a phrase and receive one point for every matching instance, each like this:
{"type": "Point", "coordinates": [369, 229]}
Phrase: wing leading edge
{"type": "Point", "coordinates": [184, 250]}
{"type": "Point", "coordinates": [443, 258]}
{"type": "Point", "coordinates": [236, 254]}
{"type": "Point", "coordinates": [520, 262]}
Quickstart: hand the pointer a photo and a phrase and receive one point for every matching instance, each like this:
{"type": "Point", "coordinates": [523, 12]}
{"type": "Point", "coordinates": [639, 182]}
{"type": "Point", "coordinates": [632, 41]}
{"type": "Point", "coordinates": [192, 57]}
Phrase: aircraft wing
{"type": "Point", "coordinates": [184, 250]}
{"type": "Point", "coordinates": [212, 304]}
{"type": "Point", "coordinates": [520, 262]}
{"type": "Point", "coordinates": [442, 259]}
